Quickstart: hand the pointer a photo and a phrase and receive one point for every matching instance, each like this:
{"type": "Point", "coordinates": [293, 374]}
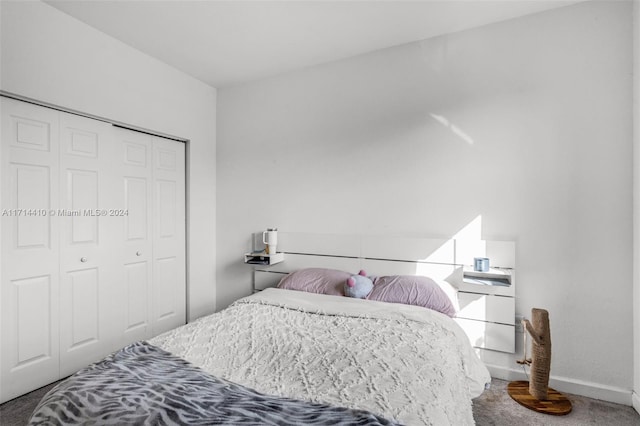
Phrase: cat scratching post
{"type": "Point", "coordinates": [536, 394]}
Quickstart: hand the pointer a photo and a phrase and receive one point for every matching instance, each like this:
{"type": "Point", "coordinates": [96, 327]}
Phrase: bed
{"type": "Point", "coordinates": [284, 357]}
{"type": "Point", "coordinates": [302, 353]}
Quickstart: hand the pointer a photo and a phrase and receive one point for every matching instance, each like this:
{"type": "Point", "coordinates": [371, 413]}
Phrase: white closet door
{"type": "Point", "coordinates": [92, 242]}
{"type": "Point", "coordinates": [29, 248]}
{"type": "Point", "coordinates": [88, 225]}
{"type": "Point", "coordinates": [169, 283]}
{"type": "Point", "coordinates": [135, 242]}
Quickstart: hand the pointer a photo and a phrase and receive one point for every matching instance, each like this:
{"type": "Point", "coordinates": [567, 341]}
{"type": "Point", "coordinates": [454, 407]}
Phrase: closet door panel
{"type": "Point", "coordinates": [29, 247]}
{"type": "Point", "coordinates": [30, 127]}
{"type": "Point", "coordinates": [83, 290]}
{"type": "Point", "coordinates": [136, 194]}
{"type": "Point", "coordinates": [32, 300]}
{"type": "Point", "coordinates": [166, 305]}
{"type": "Point", "coordinates": [31, 186]}
{"type": "Point", "coordinates": [136, 284]}
{"type": "Point", "coordinates": [169, 290]}
{"type": "Point", "coordinates": [87, 267]}
{"type": "Point", "coordinates": [83, 196]}
{"type": "Point", "coordinates": [135, 243]}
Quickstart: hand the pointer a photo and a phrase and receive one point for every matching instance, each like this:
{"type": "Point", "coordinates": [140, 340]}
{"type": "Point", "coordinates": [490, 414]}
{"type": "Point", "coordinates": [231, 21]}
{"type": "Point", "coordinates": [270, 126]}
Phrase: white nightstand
{"type": "Point", "coordinates": [263, 276]}
{"type": "Point", "coordinates": [488, 308]}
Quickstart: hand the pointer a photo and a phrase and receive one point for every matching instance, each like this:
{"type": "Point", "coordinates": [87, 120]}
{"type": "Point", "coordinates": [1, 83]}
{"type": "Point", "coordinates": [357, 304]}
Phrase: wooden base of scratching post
{"type": "Point", "coordinates": [556, 403]}
{"type": "Point", "coordinates": [537, 395]}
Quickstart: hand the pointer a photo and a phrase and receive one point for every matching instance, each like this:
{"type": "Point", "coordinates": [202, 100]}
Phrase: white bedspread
{"type": "Point", "coordinates": [405, 363]}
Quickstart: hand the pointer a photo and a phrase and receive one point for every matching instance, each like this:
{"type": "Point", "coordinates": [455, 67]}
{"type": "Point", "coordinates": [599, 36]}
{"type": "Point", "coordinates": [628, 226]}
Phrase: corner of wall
{"type": "Point", "coordinates": [636, 202]}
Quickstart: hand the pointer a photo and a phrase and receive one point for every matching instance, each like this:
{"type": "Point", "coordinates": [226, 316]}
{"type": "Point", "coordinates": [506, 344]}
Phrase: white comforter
{"type": "Point", "coordinates": [405, 363]}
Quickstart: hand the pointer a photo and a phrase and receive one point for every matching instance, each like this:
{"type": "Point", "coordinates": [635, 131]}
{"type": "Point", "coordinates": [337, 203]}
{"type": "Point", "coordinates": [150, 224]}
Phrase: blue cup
{"type": "Point", "coordinates": [481, 264]}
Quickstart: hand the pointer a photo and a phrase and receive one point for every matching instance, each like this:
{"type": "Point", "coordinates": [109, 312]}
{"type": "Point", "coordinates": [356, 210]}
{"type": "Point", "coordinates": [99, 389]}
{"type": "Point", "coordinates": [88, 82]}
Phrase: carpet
{"type": "Point", "coordinates": [493, 408]}
{"type": "Point", "coordinates": [496, 408]}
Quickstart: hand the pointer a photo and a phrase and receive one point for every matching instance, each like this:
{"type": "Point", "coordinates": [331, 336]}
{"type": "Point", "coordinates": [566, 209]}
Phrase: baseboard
{"type": "Point", "coordinates": [636, 401]}
{"type": "Point", "coordinates": [573, 386]}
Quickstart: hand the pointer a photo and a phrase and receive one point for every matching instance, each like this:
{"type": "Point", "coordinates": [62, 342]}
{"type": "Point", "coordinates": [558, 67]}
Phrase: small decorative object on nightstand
{"type": "Point", "coordinates": [270, 240]}
{"type": "Point", "coordinates": [536, 394]}
{"type": "Point", "coordinates": [481, 264]}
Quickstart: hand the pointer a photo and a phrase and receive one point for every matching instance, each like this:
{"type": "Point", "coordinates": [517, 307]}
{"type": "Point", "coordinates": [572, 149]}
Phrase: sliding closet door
{"type": "Point", "coordinates": [89, 223]}
{"type": "Point", "coordinates": [29, 248]}
{"type": "Point", "coordinates": [92, 242]}
{"type": "Point", "coordinates": [135, 244]}
{"type": "Point", "coordinates": [169, 271]}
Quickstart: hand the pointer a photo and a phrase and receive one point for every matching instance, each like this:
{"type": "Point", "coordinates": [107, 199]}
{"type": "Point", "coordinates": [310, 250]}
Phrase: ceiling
{"type": "Point", "coordinates": [224, 43]}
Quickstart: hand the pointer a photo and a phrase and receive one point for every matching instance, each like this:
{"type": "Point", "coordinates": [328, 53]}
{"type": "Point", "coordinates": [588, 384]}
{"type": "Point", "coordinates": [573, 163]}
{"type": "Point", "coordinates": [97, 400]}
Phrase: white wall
{"type": "Point", "coordinates": [526, 123]}
{"type": "Point", "coordinates": [636, 198]}
{"type": "Point", "coordinates": [51, 57]}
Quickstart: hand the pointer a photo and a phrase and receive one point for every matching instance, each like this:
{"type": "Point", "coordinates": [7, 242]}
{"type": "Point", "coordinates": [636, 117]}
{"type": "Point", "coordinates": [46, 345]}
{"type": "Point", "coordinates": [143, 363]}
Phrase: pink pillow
{"type": "Point", "coordinates": [316, 280]}
{"type": "Point", "coordinates": [413, 290]}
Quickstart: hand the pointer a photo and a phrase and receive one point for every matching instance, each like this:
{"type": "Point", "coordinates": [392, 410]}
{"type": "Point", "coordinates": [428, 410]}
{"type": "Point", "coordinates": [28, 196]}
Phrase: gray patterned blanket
{"type": "Point", "coordinates": [145, 385]}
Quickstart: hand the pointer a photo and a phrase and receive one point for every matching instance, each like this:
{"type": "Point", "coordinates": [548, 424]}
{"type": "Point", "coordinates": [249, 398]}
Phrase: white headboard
{"type": "Point", "coordinates": [487, 312]}
{"type": "Point", "coordinates": [383, 255]}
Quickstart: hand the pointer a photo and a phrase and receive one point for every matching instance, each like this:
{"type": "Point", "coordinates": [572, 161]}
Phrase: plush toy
{"type": "Point", "coordinates": [358, 286]}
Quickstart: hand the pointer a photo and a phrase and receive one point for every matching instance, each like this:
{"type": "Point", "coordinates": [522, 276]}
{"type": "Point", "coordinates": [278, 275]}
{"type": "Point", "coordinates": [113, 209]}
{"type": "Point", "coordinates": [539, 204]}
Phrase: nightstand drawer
{"type": "Point", "coordinates": [489, 308]}
{"type": "Point", "coordinates": [486, 335]}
